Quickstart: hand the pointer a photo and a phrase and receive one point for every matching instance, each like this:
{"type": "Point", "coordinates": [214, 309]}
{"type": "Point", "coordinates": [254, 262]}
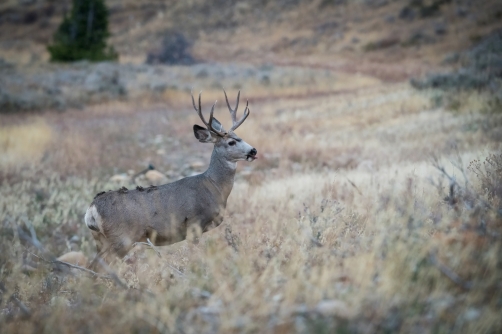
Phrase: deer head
{"type": "Point", "coordinates": [226, 143]}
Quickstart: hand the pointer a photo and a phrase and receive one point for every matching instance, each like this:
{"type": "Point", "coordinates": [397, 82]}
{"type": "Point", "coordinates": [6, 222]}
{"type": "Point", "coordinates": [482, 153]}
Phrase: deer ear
{"type": "Point", "coordinates": [217, 125]}
{"type": "Point", "coordinates": [203, 134]}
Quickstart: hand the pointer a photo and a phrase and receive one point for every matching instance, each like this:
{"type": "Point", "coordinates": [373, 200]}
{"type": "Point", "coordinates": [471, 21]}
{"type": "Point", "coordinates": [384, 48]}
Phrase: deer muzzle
{"type": "Point", "coordinates": [252, 155]}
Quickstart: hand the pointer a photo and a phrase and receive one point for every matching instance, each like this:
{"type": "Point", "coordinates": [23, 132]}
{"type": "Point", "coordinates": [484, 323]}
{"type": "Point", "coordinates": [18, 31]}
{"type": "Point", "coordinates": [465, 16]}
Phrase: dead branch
{"type": "Point", "coordinates": [454, 277]}
{"type": "Point", "coordinates": [33, 240]}
{"type": "Point", "coordinates": [438, 166]}
{"type": "Point", "coordinates": [354, 185]}
{"type": "Point", "coordinates": [231, 239]}
{"type": "Point", "coordinates": [176, 270]}
{"type": "Point", "coordinates": [26, 313]}
{"type": "Point", "coordinates": [73, 266]}
{"type": "Point", "coordinates": [454, 182]}
{"type": "Point", "coordinates": [153, 247]}
{"type": "Point", "coordinates": [314, 241]}
{"type": "Point", "coordinates": [148, 243]}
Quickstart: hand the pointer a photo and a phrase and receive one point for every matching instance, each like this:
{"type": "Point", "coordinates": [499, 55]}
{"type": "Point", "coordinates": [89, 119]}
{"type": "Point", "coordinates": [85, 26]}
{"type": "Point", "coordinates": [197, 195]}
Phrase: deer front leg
{"type": "Point", "coordinates": [215, 223]}
{"type": "Point", "coordinates": [194, 227]}
{"type": "Point", "coordinates": [198, 225]}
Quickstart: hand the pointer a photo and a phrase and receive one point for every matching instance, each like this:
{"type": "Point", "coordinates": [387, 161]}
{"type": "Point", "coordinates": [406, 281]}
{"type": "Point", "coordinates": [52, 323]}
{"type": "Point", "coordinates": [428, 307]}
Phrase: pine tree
{"type": "Point", "coordinates": [83, 34]}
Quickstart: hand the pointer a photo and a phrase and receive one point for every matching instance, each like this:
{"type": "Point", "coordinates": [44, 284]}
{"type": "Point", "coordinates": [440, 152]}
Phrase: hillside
{"type": "Point", "coordinates": [297, 45]}
{"type": "Point", "coordinates": [381, 31]}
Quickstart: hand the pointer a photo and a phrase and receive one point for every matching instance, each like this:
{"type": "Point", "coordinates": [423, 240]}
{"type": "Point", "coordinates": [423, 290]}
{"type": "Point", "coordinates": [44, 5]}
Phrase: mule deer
{"type": "Point", "coordinates": [164, 214]}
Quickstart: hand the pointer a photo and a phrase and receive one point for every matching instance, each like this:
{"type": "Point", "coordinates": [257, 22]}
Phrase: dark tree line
{"type": "Point", "coordinates": [83, 34]}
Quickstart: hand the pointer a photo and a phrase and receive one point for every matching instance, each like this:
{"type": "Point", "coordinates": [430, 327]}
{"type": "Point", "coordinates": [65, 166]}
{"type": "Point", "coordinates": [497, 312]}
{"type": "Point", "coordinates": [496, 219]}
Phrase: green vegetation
{"type": "Point", "coordinates": [480, 71]}
{"type": "Point", "coordinates": [83, 34]}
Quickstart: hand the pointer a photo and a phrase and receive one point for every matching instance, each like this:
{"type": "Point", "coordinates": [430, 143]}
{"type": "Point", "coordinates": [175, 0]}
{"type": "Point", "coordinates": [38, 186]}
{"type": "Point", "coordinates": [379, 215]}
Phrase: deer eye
{"type": "Point", "coordinates": [231, 143]}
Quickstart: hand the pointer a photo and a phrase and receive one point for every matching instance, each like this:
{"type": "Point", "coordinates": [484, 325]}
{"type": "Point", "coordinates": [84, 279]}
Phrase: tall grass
{"type": "Point", "coordinates": [25, 142]}
{"type": "Point", "coordinates": [393, 241]}
{"type": "Point", "coordinates": [407, 259]}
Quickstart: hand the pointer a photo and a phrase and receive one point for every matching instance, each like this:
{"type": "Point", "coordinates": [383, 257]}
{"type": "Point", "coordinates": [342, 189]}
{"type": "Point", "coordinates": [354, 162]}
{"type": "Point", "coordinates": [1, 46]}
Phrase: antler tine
{"type": "Point", "coordinates": [220, 133]}
{"type": "Point", "coordinates": [209, 125]}
{"type": "Point", "coordinates": [233, 112]}
{"type": "Point", "coordinates": [247, 111]}
{"type": "Point", "coordinates": [199, 110]}
{"type": "Point", "coordinates": [193, 102]}
{"type": "Point", "coordinates": [211, 119]}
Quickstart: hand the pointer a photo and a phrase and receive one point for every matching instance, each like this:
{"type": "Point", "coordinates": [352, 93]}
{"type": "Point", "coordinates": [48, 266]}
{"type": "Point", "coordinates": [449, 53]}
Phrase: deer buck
{"type": "Point", "coordinates": [163, 215]}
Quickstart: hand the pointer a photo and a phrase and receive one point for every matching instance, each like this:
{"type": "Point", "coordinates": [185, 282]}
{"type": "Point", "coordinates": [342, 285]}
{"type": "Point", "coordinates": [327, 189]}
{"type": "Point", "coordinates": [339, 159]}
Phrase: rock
{"type": "Point", "coordinates": [121, 178]}
{"type": "Point", "coordinates": [472, 314]}
{"type": "Point", "coordinates": [75, 239]}
{"type": "Point", "coordinates": [75, 258]}
{"type": "Point", "coordinates": [155, 178]}
{"type": "Point", "coordinates": [329, 307]}
{"type": "Point", "coordinates": [197, 164]}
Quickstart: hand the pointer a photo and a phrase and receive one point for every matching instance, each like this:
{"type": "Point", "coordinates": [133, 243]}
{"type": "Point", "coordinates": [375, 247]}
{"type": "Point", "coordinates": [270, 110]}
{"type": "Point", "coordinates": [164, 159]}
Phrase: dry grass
{"type": "Point", "coordinates": [24, 143]}
{"type": "Point", "coordinates": [341, 225]}
{"type": "Point", "coordinates": [371, 208]}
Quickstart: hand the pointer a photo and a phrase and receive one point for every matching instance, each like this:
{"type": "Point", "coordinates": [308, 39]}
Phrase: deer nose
{"type": "Point", "coordinates": [253, 152]}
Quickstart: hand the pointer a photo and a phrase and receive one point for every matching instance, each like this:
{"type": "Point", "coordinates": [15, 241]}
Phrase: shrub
{"type": "Point", "coordinates": [83, 34]}
{"type": "Point", "coordinates": [424, 8]}
{"type": "Point", "coordinates": [174, 50]}
{"type": "Point", "coordinates": [481, 70]}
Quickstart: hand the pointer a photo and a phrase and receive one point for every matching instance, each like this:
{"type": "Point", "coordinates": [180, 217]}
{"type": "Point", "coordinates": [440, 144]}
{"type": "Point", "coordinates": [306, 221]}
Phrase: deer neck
{"type": "Point", "coordinates": [221, 172]}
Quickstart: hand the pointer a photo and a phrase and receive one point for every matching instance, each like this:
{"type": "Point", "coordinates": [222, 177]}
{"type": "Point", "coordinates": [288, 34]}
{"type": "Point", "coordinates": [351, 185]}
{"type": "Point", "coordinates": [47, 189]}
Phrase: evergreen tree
{"type": "Point", "coordinates": [83, 34]}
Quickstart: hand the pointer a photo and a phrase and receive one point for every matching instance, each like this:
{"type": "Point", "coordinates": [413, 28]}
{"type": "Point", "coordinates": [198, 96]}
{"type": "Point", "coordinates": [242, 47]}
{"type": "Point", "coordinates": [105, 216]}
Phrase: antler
{"type": "Point", "coordinates": [233, 112]}
{"type": "Point", "coordinates": [208, 125]}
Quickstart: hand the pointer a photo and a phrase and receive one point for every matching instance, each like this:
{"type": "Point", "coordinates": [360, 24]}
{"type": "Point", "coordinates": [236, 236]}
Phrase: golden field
{"type": "Point", "coordinates": [370, 209]}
